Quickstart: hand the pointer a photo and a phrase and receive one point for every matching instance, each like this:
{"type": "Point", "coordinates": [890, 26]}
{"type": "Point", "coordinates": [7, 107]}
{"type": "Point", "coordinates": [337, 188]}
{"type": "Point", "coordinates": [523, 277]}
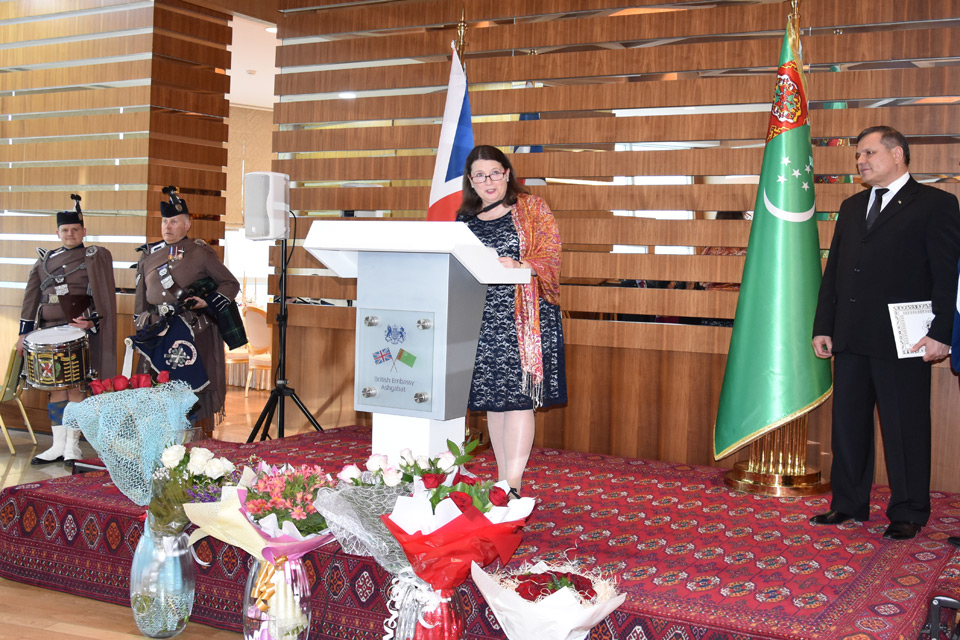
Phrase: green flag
{"type": "Point", "coordinates": [772, 374]}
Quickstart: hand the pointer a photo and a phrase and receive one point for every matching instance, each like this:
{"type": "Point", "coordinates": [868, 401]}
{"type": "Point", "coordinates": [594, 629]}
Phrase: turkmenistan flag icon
{"type": "Point", "coordinates": [406, 358]}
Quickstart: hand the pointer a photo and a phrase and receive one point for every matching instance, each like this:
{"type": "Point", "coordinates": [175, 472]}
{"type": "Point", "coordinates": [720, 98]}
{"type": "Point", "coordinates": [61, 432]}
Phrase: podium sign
{"type": "Point", "coordinates": [395, 360]}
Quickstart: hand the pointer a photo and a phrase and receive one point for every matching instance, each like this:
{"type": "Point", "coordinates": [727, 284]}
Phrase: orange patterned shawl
{"type": "Point", "coordinates": [540, 248]}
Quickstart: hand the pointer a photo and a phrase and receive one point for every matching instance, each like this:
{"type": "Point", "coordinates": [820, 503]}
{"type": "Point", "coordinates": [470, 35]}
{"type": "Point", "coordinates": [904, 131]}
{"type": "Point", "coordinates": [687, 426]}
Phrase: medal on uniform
{"type": "Point", "coordinates": [174, 253]}
{"type": "Point", "coordinates": [166, 279]}
{"type": "Point", "coordinates": [61, 289]}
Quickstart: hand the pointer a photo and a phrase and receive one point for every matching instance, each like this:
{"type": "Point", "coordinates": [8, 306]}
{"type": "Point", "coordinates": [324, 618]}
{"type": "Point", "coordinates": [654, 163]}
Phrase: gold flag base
{"type": "Point", "coordinates": [778, 465]}
{"type": "Point", "coordinates": [742, 479]}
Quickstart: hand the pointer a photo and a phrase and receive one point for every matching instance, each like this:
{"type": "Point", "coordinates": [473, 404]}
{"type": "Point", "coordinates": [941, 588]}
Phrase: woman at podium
{"type": "Point", "coordinates": [520, 361]}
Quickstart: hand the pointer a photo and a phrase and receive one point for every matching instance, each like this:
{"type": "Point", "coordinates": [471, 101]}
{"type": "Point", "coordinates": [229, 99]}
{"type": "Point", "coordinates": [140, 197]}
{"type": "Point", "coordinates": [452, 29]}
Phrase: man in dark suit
{"type": "Point", "coordinates": [904, 249]}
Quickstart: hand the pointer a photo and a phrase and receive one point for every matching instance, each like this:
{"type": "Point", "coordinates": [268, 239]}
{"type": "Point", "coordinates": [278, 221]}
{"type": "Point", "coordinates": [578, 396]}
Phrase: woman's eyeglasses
{"type": "Point", "coordinates": [495, 176]}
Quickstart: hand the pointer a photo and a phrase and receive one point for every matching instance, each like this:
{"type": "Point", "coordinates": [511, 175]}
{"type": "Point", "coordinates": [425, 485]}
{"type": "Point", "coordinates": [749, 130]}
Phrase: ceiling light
{"type": "Point", "coordinates": [271, 29]}
{"type": "Point", "coordinates": [348, 95]}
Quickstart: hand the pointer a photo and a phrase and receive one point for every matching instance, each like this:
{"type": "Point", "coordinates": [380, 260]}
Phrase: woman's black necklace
{"type": "Point", "coordinates": [490, 207]}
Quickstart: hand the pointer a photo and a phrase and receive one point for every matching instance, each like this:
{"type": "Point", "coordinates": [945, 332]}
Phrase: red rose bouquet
{"type": "Point", "coordinates": [122, 383]}
{"type": "Point", "coordinates": [548, 600]}
{"type": "Point", "coordinates": [451, 520]}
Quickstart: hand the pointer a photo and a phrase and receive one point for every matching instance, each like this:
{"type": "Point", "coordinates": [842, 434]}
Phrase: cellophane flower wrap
{"type": "Point", "coordinates": [353, 510]}
{"type": "Point", "coordinates": [557, 601]}
{"type": "Point", "coordinates": [452, 519]}
{"type": "Point", "coordinates": [271, 517]}
{"type": "Point", "coordinates": [129, 430]}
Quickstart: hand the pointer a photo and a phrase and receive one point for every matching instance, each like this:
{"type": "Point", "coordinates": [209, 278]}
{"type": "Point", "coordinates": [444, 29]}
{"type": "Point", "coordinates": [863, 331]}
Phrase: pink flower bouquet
{"type": "Point", "coordinates": [271, 517]}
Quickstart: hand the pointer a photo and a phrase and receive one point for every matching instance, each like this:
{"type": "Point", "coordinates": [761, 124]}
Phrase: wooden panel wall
{"type": "Point", "coordinates": [644, 371]}
{"type": "Point", "coordinates": [113, 100]}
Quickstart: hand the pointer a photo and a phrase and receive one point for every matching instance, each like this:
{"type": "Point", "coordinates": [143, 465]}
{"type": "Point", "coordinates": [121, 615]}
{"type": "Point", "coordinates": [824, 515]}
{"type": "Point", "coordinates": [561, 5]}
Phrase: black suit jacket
{"type": "Point", "coordinates": [909, 255]}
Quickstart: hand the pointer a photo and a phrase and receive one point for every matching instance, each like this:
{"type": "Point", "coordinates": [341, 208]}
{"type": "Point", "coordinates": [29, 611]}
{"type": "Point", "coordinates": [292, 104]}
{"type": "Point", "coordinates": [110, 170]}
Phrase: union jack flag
{"type": "Point", "coordinates": [382, 356]}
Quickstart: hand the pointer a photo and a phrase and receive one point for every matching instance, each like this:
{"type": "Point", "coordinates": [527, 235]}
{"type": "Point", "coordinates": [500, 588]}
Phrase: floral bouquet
{"type": "Point", "coordinates": [273, 520]}
{"type": "Point", "coordinates": [548, 600]}
{"type": "Point", "coordinates": [162, 574]}
{"type": "Point", "coordinates": [130, 430]}
{"type": "Point", "coordinates": [451, 520]}
{"type": "Point", "coordinates": [121, 383]}
{"type": "Point", "coordinates": [186, 476]}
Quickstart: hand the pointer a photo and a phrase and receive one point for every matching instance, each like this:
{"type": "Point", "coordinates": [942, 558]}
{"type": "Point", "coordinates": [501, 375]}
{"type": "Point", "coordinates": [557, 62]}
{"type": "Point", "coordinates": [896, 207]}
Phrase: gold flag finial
{"type": "Point", "coordinates": [795, 12]}
{"type": "Point", "coordinates": [461, 35]}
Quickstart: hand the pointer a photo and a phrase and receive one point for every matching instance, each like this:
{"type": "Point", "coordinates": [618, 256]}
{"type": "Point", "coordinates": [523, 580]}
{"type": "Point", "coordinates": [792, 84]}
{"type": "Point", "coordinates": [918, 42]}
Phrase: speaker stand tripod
{"type": "Point", "coordinates": [281, 391]}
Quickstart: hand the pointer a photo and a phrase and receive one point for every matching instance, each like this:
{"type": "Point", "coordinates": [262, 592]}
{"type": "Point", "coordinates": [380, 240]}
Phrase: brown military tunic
{"type": "Point", "coordinates": [179, 265]}
{"type": "Point", "coordinates": [83, 270]}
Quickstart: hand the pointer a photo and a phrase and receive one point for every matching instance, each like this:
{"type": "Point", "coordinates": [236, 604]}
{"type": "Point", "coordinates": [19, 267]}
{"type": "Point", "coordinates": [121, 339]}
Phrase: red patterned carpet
{"type": "Point", "coordinates": [696, 559]}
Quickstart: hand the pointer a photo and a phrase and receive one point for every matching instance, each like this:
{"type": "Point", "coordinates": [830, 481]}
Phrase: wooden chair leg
{"type": "Point", "coordinates": [6, 436]}
{"type": "Point", "coordinates": [26, 421]}
{"type": "Point", "coordinates": [246, 388]}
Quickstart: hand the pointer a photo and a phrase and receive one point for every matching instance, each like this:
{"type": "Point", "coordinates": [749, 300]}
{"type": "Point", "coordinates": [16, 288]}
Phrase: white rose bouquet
{"type": "Point", "coordinates": [194, 475]}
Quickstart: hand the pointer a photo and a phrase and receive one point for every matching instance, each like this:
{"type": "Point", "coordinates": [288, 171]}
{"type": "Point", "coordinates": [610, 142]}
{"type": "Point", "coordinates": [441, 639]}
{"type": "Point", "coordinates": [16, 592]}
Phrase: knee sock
{"type": "Point", "coordinates": [55, 411]}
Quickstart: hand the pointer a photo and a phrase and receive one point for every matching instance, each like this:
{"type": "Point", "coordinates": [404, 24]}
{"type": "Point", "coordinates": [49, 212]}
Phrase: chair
{"type": "Point", "coordinates": [12, 388]}
{"type": "Point", "coordinates": [260, 338]}
{"type": "Point", "coordinates": [236, 362]}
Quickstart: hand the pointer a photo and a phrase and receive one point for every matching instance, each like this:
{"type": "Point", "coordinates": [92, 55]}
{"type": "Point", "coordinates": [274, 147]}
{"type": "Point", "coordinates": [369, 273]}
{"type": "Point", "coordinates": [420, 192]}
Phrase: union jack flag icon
{"type": "Point", "coordinates": [382, 356]}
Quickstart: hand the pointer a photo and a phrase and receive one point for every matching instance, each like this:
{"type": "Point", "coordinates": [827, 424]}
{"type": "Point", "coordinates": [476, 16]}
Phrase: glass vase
{"type": "Point", "coordinates": [277, 601]}
{"type": "Point", "coordinates": [162, 582]}
{"type": "Point", "coordinates": [426, 614]}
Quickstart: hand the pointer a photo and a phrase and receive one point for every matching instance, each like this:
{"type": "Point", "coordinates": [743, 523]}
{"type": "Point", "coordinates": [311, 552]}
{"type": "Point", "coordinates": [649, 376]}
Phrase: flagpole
{"type": "Point", "coordinates": [772, 379]}
{"type": "Point", "coordinates": [469, 434]}
{"type": "Point", "coordinates": [461, 36]}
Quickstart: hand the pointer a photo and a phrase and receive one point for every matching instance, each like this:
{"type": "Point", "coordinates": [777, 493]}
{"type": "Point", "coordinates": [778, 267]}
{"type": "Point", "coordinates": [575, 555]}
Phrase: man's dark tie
{"type": "Point", "coordinates": [874, 212]}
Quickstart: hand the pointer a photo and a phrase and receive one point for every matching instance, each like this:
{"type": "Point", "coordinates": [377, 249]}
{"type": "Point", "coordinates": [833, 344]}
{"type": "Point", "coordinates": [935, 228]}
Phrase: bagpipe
{"type": "Point", "coordinates": [169, 343]}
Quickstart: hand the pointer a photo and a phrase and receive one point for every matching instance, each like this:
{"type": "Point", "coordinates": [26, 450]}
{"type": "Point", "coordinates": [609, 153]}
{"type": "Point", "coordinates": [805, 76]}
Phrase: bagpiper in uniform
{"type": "Point", "coordinates": [74, 270]}
{"type": "Point", "coordinates": [165, 272]}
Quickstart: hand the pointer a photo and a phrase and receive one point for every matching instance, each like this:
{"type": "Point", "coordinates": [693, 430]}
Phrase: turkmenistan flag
{"type": "Point", "coordinates": [772, 374]}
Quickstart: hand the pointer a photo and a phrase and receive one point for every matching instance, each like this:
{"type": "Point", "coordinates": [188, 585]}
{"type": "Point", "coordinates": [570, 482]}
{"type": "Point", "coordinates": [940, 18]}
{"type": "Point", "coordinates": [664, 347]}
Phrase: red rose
{"type": "Point", "coordinates": [583, 585]}
{"type": "Point", "coordinates": [107, 385]}
{"type": "Point", "coordinates": [120, 383]}
{"type": "Point", "coordinates": [531, 590]}
{"type": "Point", "coordinates": [141, 381]}
{"type": "Point", "coordinates": [498, 497]}
{"type": "Point", "coordinates": [461, 499]}
{"type": "Point", "coordinates": [465, 479]}
{"type": "Point", "coordinates": [95, 387]}
{"type": "Point", "coordinates": [163, 376]}
{"type": "Point", "coordinates": [433, 480]}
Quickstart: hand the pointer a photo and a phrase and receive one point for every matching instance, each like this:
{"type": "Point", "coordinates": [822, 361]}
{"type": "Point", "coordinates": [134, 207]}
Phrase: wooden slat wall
{"type": "Point", "coordinates": [134, 105]}
{"type": "Point", "coordinates": [642, 389]}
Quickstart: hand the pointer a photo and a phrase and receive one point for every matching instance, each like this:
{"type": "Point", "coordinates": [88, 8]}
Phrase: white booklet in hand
{"type": "Point", "coordinates": [911, 322]}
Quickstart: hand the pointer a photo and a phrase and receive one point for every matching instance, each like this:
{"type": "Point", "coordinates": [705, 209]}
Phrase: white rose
{"type": "Point", "coordinates": [172, 455]}
{"type": "Point", "coordinates": [423, 462]}
{"type": "Point", "coordinates": [214, 468]}
{"type": "Point", "coordinates": [376, 462]}
{"type": "Point", "coordinates": [198, 460]}
{"type": "Point", "coordinates": [228, 467]}
{"type": "Point", "coordinates": [406, 457]}
{"type": "Point", "coordinates": [391, 476]}
{"type": "Point", "coordinates": [350, 473]}
{"type": "Point", "coordinates": [447, 462]}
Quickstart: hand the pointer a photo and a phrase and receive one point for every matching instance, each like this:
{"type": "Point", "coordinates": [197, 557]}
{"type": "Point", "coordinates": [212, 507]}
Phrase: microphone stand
{"type": "Point", "coordinates": [281, 390]}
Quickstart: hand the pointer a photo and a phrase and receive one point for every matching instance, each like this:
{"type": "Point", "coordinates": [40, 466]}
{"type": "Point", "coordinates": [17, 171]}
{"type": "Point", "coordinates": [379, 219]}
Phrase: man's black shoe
{"type": "Point", "coordinates": [954, 540]}
{"type": "Point", "coordinates": [833, 517]}
{"type": "Point", "coordinates": [900, 530]}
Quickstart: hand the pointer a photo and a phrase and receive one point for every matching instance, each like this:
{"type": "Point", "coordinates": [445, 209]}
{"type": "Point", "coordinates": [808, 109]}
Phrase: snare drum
{"type": "Point", "coordinates": [56, 357]}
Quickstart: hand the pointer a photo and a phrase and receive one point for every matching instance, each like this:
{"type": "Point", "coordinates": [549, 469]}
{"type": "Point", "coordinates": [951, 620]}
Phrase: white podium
{"type": "Point", "coordinates": [421, 288]}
